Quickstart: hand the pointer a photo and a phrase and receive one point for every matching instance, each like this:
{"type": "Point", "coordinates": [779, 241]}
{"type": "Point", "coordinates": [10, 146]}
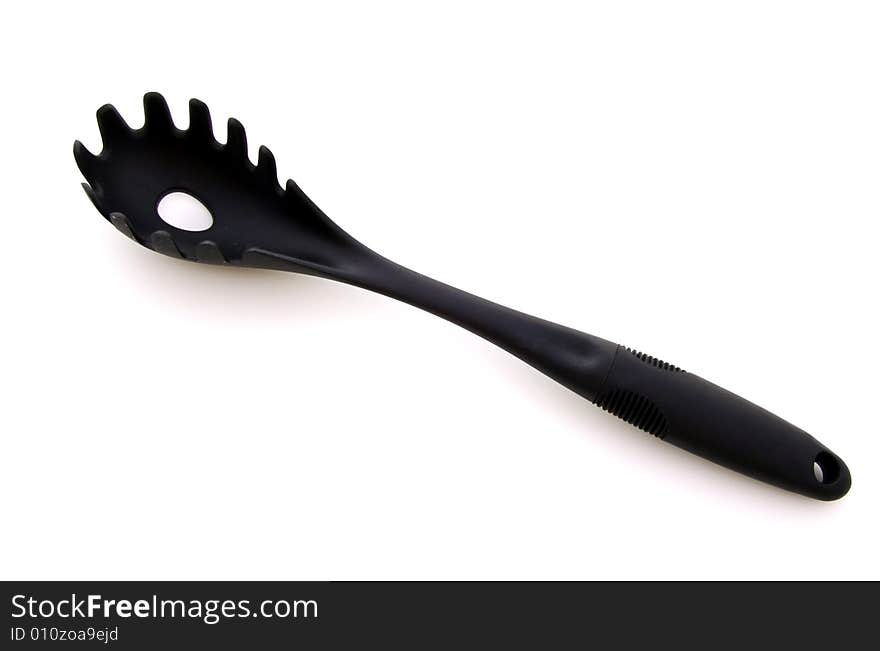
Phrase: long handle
{"type": "Point", "coordinates": [698, 416]}
{"type": "Point", "coordinates": [672, 404]}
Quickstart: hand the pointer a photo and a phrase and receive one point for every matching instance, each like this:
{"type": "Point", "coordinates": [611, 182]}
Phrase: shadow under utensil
{"type": "Point", "coordinates": [642, 452]}
{"type": "Point", "coordinates": [235, 293]}
{"type": "Point", "coordinates": [251, 295]}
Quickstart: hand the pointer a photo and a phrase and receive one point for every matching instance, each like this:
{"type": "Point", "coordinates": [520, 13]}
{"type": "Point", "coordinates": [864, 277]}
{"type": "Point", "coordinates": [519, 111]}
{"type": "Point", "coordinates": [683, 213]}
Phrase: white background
{"type": "Point", "coordinates": [696, 180]}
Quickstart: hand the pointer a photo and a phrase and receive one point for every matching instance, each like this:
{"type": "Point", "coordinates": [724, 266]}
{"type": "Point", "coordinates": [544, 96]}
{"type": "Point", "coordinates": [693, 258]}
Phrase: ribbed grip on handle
{"type": "Point", "coordinates": [698, 416]}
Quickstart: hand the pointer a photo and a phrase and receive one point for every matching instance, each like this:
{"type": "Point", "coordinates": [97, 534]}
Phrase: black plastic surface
{"type": "Point", "coordinates": [258, 223]}
{"type": "Point", "coordinates": [691, 413]}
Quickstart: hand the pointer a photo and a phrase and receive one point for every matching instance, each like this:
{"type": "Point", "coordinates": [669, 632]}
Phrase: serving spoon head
{"type": "Point", "coordinates": [248, 213]}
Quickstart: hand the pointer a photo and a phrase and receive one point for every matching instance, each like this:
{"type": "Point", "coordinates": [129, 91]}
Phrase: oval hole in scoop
{"type": "Point", "coordinates": [184, 211]}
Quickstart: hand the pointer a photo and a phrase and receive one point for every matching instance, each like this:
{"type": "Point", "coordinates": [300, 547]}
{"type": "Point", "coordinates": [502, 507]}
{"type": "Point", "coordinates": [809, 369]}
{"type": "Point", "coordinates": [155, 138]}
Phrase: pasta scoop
{"type": "Point", "coordinates": [254, 222]}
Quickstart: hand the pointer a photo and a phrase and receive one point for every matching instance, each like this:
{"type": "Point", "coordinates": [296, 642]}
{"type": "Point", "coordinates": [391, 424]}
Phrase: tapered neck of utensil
{"type": "Point", "coordinates": [575, 359]}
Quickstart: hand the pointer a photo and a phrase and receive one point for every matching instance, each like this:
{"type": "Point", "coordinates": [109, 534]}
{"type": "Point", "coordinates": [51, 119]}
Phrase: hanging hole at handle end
{"type": "Point", "coordinates": [826, 468]}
